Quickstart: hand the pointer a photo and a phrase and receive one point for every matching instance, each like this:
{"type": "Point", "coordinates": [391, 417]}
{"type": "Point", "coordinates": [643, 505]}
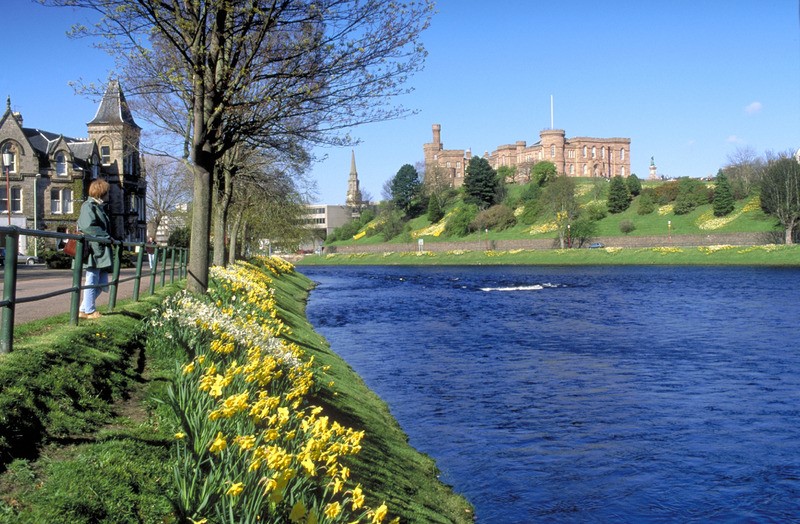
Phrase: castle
{"type": "Point", "coordinates": [579, 156]}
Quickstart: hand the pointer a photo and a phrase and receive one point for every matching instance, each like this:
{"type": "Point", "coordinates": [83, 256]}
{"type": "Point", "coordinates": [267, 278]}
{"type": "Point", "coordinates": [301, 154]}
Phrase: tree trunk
{"type": "Point", "coordinates": [222, 208]}
{"type": "Point", "coordinates": [197, 279]}
{"type": "Point", "coordinates": [788, 239]}
{"type": "Point", "coordinates": [232, 255]}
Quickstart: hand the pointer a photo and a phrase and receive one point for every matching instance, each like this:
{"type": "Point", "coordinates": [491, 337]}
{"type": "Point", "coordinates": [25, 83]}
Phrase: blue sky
{"type": "Point", "coordinates": [688, 82]}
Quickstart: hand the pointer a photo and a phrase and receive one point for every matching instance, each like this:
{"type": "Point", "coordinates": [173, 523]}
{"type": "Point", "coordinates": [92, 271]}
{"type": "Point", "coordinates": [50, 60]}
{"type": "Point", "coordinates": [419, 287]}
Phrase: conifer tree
{"type": "Point", "coordinates": [723, 196]}
{"type": "Point", "coordinates": [619, 198]}
{"type": "Point", "coordinates": [481, 185]}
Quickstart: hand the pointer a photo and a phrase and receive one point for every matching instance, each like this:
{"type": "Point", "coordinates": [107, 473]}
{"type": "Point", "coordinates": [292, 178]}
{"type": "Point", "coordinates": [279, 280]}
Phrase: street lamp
{"type": "Point", "coordinates": [669, 230]}
{"type": "Point", "coordinates": [8, 157]}
{"type": "Point", "coordinates": [569, 235]}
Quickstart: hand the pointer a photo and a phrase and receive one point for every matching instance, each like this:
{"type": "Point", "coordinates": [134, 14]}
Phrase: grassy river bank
{"type": "Point", "coordinates": [89, 432]}
{"type": "Point", "coordinates": [725, 255]}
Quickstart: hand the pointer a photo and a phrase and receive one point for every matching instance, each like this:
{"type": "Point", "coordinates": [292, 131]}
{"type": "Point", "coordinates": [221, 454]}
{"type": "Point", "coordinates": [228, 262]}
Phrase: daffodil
{"type": "Point", "coordinates": [236, 489]}
{"type": "Point", "coordinates": [219, 443]}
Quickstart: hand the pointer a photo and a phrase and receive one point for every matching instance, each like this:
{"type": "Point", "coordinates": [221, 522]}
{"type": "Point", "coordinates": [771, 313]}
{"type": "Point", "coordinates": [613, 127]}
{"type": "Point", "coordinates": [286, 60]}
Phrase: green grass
{"type": "Point", "coordinates": [770, 255]}
{"type": "Point", "coordinates": [658, 223]}
{"type": "Point", "coordinates": [83, 438]}
{"type": "Point", "coordinates": [80, 440]}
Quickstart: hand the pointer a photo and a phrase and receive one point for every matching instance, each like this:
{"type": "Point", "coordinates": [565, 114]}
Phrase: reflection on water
{"type": "Point", "coordinates": [585, 394]}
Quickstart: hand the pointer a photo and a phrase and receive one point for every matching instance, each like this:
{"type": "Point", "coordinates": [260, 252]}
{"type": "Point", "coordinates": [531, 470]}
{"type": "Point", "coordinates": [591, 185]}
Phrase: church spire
{"type": "Point", "coordinates": [353, 192]}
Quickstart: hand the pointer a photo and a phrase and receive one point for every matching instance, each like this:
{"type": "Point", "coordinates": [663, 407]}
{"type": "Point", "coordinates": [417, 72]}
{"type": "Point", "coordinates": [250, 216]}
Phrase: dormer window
{"type": "Point", "coordinates": [105, 155]}
{"type": "Point", "coordinates": [61, 164]}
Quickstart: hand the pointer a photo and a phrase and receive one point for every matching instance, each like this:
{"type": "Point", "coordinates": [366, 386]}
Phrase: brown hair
{"type": "Point", "coordinates": [98, 188]}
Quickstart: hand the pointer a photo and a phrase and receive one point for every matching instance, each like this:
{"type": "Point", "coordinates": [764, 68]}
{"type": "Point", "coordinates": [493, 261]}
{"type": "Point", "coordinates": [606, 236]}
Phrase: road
{"type": "Point", "coordinates": [39, 279]}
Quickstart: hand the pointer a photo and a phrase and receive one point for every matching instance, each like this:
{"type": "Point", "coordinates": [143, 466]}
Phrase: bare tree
{"type": "Point", "coordinates": [780, 193]}
{"type": "Point", "coordinates": [274, 74]}
{"type": "Point", "coordinates": [744, 168]}
{"type": "Point", "coordinates": [168, 186]}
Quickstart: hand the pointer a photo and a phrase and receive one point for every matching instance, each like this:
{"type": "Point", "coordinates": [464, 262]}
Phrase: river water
{"type": "Point", "coordinates": [597, 394]}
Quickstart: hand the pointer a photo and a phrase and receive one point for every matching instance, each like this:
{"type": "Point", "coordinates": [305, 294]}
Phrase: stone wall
{"type": "Point", "coordinates": [736, 239]}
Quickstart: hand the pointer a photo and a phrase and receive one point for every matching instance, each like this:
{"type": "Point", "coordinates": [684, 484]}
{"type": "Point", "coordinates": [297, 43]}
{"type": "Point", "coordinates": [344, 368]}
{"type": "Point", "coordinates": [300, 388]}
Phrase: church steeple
{"type": "Point", "coordinates": [353, 192]}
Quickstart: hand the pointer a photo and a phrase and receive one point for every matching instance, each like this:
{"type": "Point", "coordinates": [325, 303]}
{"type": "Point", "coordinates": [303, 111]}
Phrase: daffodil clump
{"type": "Point", "coordinates": [667, 250]}
{"type": "Point", "coordinates": [708, 221]}
{"type": "Point", "coordinates": [250, 447]}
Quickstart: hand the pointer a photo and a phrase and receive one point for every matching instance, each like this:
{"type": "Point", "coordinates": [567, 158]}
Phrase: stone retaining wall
{"type": "Point", "coordinates": [736, 239]}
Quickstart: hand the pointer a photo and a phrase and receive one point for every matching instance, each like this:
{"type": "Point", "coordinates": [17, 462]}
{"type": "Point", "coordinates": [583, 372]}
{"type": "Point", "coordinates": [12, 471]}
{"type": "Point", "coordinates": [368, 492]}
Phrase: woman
{"type": "Point", "coordinates": [93, 221]}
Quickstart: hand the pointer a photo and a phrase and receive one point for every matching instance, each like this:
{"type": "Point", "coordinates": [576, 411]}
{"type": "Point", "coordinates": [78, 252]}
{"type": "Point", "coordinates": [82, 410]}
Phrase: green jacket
{"type": "Point", "coordinates": [94, 221]}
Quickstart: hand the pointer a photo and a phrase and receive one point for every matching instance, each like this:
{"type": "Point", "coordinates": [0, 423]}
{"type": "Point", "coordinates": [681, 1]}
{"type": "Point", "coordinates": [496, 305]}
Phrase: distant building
{"type": "Point", "coordinates": [49, 173]}
{"type": "Point", "coordinates": [579, 156]}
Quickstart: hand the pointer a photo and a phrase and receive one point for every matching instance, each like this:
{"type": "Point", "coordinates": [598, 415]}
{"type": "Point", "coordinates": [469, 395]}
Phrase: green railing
{"type": "Point", "coordinates": [175, 258]}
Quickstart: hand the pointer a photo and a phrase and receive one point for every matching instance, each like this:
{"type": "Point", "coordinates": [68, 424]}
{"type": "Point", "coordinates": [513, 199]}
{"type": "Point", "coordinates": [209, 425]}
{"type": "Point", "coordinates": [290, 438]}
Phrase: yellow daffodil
{"type": "Point", "coordinates": [219, 443]}
{"type": "Point", "coordinates": [236, 489]}
{"type": "Point", "coordinates": [380, 513]}
{"type": "Point", "coordinates": [333, 509]}
{"type": "Point", "coordinates": [358, 497]}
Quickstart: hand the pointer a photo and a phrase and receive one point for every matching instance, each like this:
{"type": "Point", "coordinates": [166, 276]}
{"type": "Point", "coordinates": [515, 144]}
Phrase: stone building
{"type": "Point", "coordinates": [579, 156]}
{"type": "Point", "coordinates": [50, 173]}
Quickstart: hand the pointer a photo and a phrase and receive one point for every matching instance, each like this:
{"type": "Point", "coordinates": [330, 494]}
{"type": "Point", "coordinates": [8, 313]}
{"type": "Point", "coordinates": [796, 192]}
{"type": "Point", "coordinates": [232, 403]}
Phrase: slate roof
{"type": "Point", "coordinates": [113, 108]}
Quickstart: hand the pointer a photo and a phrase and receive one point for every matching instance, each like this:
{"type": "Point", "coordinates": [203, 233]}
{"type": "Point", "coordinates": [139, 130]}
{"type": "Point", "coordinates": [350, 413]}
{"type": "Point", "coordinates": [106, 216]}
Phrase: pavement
{"type": "Point", "coordinates": [39, 279]}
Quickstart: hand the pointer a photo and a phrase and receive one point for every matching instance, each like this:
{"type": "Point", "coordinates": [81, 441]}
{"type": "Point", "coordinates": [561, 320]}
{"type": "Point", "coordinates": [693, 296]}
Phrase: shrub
{"type": "Point", "coordinates": [647, 202]}
{"type": "Point", "coordinates": [391, 225]}
{"type": "Point", "coordinates": [666, 193]}
{"type": "Point", "coordinates": [56, 259]}
{"type": "Point", "coordinates": [626, 226]}
{"type": "Point", "coordinates": [595, 211]}
{"type": "Point", "coordinates": [497, 217]}
{"type": "Point", "coordinates": [180, 237]}
{"type": "Point", "coordinates": [458, 224]}
{"type": "Point", "coordinates": [435, 212]}
{"type": "Point", "coordinates": [634, 185]}
{"type": "Point", "coordinates": [619, 198]}
{"type": "Point", "coordinates": [582, 230]}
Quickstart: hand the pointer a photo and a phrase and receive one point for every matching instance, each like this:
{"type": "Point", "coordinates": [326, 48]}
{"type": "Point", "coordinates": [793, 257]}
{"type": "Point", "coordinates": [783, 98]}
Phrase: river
{"type": "Point", "coordinates": [594, 394]}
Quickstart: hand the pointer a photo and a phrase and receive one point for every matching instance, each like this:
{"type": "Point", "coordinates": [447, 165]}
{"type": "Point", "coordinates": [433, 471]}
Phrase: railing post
{"type": "Point", "coordinates": [163, 267]}
{"type": "Point", "coordinates": [112, 292]}
{"type": "Point", "coordinates": [9, 291]}
{"type": "Point", "coordinates": [172, 252]}
{"type": "Point", "coordinates": [156, 253]}
{"type": "Point", "coordinates": [77, 270]}
{"type": "Point", "coordinates": [138, 279]}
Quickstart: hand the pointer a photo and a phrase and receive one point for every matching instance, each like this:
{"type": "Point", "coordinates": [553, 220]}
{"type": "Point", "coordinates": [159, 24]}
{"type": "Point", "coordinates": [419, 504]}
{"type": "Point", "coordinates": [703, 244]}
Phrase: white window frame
{"type": "Point", "coordinates": [105, 155]}
{"type": "Point", "coordinates": [61, 164]}
{"type": "Point", "coordinates": [55, 202]}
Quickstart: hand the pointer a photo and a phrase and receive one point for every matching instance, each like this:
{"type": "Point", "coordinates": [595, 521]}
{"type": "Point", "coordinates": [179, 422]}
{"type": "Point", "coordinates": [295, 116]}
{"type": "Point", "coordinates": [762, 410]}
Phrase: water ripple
{"type": "Point", "coordinates": [585, 394]}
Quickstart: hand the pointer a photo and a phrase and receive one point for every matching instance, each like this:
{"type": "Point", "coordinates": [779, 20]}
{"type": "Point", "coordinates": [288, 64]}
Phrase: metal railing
{"type": "Point", "coordinates": [174, 257]}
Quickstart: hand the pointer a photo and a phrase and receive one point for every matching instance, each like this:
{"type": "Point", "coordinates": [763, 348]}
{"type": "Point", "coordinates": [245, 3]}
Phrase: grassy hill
{"type": "Point", "coordinates": [747, 217]}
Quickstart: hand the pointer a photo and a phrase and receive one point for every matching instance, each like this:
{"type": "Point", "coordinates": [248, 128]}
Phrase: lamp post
{"type": "Point", "coordinates": [669, 230]}
{"type": "Point", "coordinates": [7, 159]}
{"type": "Point", "coordinates": [36, 214]}
{"type": "Point", "coordinates": [569, 235]}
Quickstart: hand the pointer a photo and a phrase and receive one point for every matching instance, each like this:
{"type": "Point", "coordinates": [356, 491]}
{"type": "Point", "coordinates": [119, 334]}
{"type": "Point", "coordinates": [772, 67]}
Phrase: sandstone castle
{"type": "Point", "coordinates": [579, 156]}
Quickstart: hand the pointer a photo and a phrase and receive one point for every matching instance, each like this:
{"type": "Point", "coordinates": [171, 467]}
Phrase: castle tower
{"type": "Point", "coordinates": [353, 200]}
{"type": "Point", "coordinates": [553, 142]}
